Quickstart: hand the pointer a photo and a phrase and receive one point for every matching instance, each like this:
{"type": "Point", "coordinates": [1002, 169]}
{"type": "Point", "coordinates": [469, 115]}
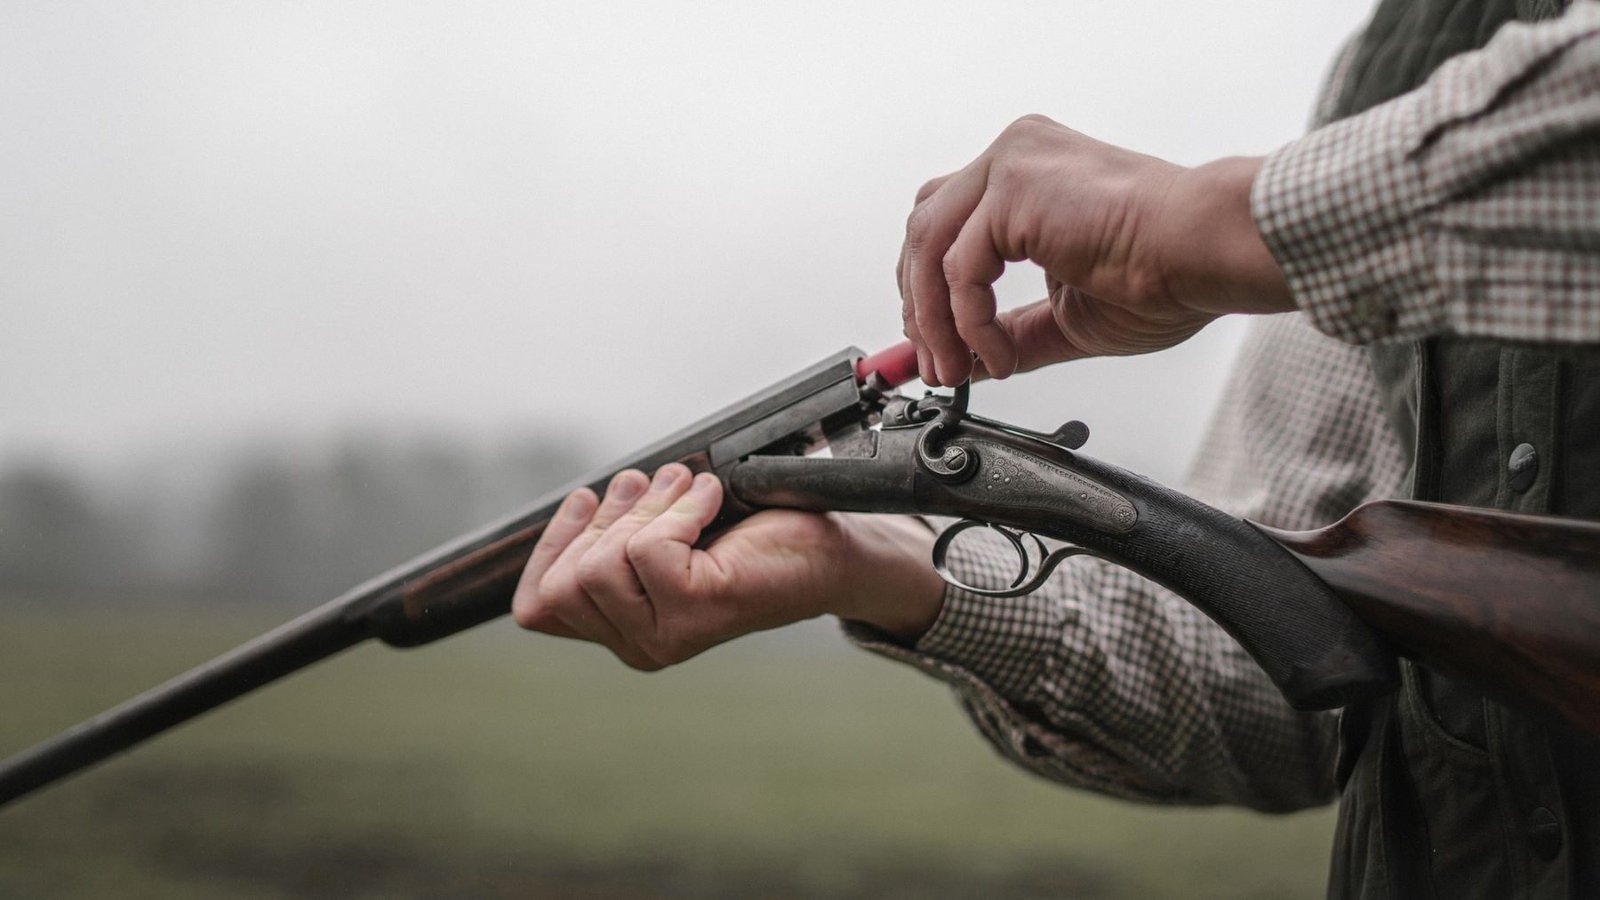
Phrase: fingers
{"type": "Point", "coordinates": [662, 552]}
{"type": "Point", "coordinates": [970, 268]}
{"type": "Point", "coordinates": [549, 597]}
{"type": "Point", "coordinates": [908, 319]}
{"type": "Point", "coordinates": [606, 573]}
{"type": "Point", "coordinates": [930, 231]}
{"type": "Point", "coordinates": [908, 310]}
{"type": "Point", "coordinates": [580, 580]}
{"type": "Point", "coordinates": [571, 518]}
{"type": "Point", "coordinates": [931, 185]}
{"type": "Point", "coordinates": [1036, 333]}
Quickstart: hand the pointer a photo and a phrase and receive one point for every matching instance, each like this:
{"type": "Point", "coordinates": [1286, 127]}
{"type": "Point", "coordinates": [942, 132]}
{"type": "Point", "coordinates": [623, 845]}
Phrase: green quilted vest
{"type": "Point", "coordinates": [1447, 794]}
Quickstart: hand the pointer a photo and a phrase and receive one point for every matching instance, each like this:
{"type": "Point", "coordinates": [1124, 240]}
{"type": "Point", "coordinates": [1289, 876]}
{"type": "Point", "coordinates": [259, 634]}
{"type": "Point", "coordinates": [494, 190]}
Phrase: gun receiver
{"type": "Point", "coordinates": [932, 457]}
{"type": "Point", "coordinates": [1310, 608]}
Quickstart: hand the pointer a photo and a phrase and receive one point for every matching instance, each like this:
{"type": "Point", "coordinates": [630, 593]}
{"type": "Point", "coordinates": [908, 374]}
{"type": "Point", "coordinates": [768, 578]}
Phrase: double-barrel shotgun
{"type": "Point", "coordinates": [1510, 603]}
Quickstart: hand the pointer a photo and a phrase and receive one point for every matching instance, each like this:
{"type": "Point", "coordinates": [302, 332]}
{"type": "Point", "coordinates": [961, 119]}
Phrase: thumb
{"type": "Point", "coordinates": [1037, 336]}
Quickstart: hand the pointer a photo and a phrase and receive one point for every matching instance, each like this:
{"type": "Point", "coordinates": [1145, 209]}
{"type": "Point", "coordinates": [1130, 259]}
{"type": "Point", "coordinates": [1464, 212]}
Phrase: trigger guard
{"type": "Point", "coordinates": [1022, 583]}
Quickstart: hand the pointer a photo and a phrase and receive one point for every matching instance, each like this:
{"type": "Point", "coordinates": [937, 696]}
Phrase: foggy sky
{"type": "Point", "coordinates": [222, 221]}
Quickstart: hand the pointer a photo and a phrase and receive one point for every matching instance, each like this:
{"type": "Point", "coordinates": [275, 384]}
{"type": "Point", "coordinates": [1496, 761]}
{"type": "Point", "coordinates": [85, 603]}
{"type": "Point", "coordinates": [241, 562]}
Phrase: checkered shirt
{"type": "Point", "coordinates": [1469, 206]}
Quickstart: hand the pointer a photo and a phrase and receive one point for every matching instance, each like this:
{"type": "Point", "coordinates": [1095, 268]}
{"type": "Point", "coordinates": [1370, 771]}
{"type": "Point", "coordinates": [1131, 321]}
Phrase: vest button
{"type": "Point", "coordinates": [1544, 833]}
{"type": "Point", "coordinates": [1523, 467]}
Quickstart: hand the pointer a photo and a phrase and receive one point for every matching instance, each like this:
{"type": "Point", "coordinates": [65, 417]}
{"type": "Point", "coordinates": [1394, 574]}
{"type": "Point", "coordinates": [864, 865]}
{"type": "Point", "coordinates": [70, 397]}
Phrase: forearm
{"type": "Point", "coordinates": [1104, 681]}
{"type": "Point", "coordinates": [1211, 250]}
{"type": "Point", "coordinates": [899, 596]}
{"type": "Point", "coordinates": [1469, 206]}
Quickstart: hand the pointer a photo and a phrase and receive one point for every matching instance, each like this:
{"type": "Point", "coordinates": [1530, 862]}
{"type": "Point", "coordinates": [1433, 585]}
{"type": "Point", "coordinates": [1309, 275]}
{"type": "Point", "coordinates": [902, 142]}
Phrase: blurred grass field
{"type": "Point", "coordinates": [502, 765]}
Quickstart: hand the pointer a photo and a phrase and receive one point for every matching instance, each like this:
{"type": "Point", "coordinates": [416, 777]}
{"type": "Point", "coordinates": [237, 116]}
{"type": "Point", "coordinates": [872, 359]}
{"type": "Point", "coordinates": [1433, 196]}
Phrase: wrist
{"type": "Point", "coordinates": [888, 580]}
{"type": "Point", "coordinates": [1215, 258]}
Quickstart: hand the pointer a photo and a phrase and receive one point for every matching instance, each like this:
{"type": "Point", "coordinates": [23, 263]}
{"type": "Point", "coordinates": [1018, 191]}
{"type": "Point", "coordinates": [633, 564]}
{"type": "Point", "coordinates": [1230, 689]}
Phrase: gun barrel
{"type": "Point", "coordinates": [314, 636]}
{"type": "Point", "coordinates": [464, 583]}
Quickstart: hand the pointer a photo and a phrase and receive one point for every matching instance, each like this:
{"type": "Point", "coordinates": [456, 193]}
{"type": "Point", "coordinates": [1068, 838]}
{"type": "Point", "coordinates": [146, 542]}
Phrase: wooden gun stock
{"type": "Point", "coordinates": [1508, 602]}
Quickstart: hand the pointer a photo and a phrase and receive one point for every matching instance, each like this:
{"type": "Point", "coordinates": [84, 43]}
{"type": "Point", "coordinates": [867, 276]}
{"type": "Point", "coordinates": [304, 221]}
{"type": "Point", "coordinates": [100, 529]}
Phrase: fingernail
{"type": "Point", "coordinates": [666, 477]}
{"type": "Point", "coordinates": [703, 482]}
{"type": "Point", "coordinates": [571, 506]}
{"type": "Point", "coordinates": [624, 487]}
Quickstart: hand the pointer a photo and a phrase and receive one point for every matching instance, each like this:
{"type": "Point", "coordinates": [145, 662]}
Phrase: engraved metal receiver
{"type": "Point", "coordinates": [931, 457]}
{"type": "Point", "coordinates": [953, 462]}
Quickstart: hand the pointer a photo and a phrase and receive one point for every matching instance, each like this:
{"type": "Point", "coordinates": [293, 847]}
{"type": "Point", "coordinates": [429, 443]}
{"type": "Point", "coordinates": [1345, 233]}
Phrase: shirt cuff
{"type": "Point", "coordinates": [1381, 221]}
{"type": "Point", "coordinates": [991, 651]}
{"type": "Point", "coordinates": [1342, 211]}
{"type": "Point", "coordinates": [1000, 641]}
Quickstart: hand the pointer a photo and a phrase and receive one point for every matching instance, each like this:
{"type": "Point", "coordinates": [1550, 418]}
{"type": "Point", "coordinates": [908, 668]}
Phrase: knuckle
{"type": "Point", "coordinates": [592, 571]}
{"type": "Point", "coordinates": [908, 317]}
{"type": "Point", "coordinates": [639, 656]}
{"type": "Point", "coordinates": [670, 653]}
{"type": "Point", "coordinates": [972, 316]}
{"type": "Point", "coordinates": [666, 648]}
{"type": "Point", "coordinates": [638, 547]}
{"type": "Point", "coordinates": [1030, 124]}
{"type": "Point", "coordinates": [917, 225]}
{"type": "Point", "coordinates": [525, 616]}
{"type": "Point", "coordinates": [965, 310]}
{"type": "Point", "coordinates": [643, 657]}
{"type": "Point", "coordinates": [1009, 165]}
{"type": "Point", "coordinates": [1146, 287]}
{"type": "Point", "coordinates": [953, 266]}
{"type": "Point", "coordinates": [527, 611]}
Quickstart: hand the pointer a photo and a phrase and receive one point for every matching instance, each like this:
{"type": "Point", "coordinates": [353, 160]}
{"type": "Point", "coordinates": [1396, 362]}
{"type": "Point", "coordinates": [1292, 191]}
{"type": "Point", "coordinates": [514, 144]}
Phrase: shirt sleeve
{"type": "Point", "coordinates": [1468, 206]}
{"type": "Point", "coordinates": [1106, 681]}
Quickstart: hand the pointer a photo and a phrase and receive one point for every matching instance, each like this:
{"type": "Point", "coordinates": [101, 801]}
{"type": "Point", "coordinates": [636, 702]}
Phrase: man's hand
{"type": "Point", "coordinates": [1138, 254]}
{"type": "Point", "coordinates": [625, 571]}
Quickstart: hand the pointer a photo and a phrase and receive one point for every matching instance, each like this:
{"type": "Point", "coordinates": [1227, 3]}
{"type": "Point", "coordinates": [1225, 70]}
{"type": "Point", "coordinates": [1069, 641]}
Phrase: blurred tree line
{"type": "Point", "coordinates": [269, 524]}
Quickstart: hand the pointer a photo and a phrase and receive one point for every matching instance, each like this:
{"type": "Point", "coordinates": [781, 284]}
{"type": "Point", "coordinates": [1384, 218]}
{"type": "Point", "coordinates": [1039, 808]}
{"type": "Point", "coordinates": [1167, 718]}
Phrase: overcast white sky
{"type": "Point", "coordinates": [222, 220]}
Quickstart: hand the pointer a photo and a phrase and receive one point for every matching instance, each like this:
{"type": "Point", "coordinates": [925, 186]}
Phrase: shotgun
{"type": "Point", "coordinates": [1504, 601]}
